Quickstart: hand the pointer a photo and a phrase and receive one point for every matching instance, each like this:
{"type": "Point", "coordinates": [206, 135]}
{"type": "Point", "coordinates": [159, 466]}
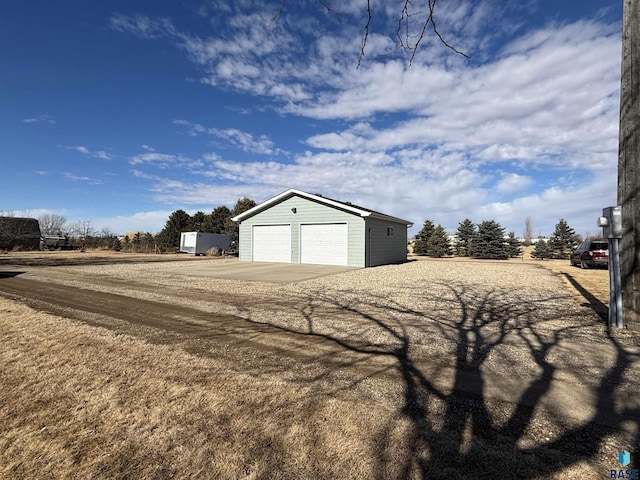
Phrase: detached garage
{"type": "Point", "coordinates": [298, 227]}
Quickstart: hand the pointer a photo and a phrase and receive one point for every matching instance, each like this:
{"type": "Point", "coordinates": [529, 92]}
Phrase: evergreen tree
{"type": "Point", "coordinates": [541, 250]}
{"type": "Point", "coordinates": [231, 227]}
{"type": "Point", "coordinates": [438, 243]}
{"type": "Point", "coordinates": [563, 241]}
{"type": "Point", "coordinates": [196, 221]}
{"type": "Point", "coordinates": [488, 241]}
{"type": "Point", "coordinates": [513, 245]}
{"type": "Point", "coordinates": [136, 242]}
{"type": "Point", "coordinates": [420, 246]}
{"type": "Point", "coordinates": [116, 244]}
{"type": "Point", "coordinates": [170, 235]}
{"type": "Point", "coordinates": [217, 221]}
{"type": "Point", "coordinates": [147, 242]}
{"type": "Point", "coordinates": [464, 236]}
{"type": "Point", "coordinates": [127, 243]}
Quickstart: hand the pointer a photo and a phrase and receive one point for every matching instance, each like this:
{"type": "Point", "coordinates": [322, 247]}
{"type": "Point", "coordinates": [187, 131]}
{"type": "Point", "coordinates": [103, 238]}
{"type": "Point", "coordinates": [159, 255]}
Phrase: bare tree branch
{"type": "Point", "coordinates": [403, 32]}
{"type": "Point", "coordinates": [366, 34]}
{"type": "Point", "coordinates": [432, 4]}
{"type": "Point", "coordinates": [278, 13]}
{"type": "Point", "coordinates": [326, 5]}
{"type": "Point", "coordinates": [403, 24]}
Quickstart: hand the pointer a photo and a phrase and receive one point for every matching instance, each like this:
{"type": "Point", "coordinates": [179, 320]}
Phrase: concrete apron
{"type": "Point", "coordinates": [257, 271]}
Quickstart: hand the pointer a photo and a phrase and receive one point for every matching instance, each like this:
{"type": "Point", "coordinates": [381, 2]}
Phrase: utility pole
{"type": "Point", "coordinates": [629, 163]}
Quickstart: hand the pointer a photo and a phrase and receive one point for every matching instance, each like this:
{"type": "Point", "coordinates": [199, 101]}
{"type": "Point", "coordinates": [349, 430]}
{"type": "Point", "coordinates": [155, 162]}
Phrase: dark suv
{"type": "Point", "coordinates": [592, 253]}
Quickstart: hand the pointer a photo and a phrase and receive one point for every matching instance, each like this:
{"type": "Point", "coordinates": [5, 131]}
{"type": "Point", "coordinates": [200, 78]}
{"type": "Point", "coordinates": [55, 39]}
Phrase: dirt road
{"type": "Point", "coordinates": [194, 330]}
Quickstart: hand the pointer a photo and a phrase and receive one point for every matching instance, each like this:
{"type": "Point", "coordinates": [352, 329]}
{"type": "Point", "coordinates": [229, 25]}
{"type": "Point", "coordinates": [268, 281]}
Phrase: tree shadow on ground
{"type": "Point", "coordinates": [598, 307]}
{"type": "Point", "coordinates": [10, 274]}
{"type": "Point", "coordinates": [474, 423]}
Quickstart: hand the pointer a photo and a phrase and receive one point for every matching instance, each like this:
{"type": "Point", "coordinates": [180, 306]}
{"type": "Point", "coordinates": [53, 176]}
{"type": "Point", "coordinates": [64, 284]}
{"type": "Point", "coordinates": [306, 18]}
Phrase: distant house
{"type": "Point", "coordinates": [298, 227]}
{"type": "Point", "coordinates": [22, 233]}
{"type": "Point", "coordinates": [540, 239]}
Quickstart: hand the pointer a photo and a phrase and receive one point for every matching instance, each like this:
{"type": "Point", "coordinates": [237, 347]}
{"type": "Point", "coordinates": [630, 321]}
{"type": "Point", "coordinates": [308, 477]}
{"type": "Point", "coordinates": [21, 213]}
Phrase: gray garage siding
{"type": "Point", "coordinates": [307, 211]}
{"type": "Point", "coordinates": [382, 248]}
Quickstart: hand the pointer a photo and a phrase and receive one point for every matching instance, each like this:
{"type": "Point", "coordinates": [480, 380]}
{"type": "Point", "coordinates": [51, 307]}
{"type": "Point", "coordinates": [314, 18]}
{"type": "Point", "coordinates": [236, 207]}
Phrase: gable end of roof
{"type": "Point", "coordinates": [344, 206]}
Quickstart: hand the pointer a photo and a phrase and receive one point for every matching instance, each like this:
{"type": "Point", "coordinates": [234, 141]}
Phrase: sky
{"type": "Point", "coordinates": [122, 112]}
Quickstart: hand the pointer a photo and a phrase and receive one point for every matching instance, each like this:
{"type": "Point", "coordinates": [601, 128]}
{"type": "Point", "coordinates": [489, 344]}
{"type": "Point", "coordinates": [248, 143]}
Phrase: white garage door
{"type": "Point", "coordinates": [272, 243]}
{"type": "Point", "coordinates": [324, 244]}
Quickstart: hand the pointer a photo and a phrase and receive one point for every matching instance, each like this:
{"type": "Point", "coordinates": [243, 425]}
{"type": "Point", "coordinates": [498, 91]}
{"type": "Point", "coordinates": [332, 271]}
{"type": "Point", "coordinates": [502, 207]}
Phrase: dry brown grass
{"type": "Point", "coordinates": [81, 402]}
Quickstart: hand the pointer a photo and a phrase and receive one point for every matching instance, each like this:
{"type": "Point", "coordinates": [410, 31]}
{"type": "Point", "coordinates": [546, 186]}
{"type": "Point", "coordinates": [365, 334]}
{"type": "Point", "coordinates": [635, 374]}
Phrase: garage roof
{"type": "Point", "coordinates": [345, 206]}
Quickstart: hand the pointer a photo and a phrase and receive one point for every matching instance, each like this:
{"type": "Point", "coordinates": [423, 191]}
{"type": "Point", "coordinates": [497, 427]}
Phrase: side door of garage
{"type": "Point", "coordinates": [272, 243]}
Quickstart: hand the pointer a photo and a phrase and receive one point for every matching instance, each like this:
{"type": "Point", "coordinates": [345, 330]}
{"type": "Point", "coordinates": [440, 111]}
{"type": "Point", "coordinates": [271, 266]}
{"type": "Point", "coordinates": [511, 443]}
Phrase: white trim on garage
{"type": "Point", "coordinates": [324, 243]}
{"type": "Point", "coordinates": [271, 243]}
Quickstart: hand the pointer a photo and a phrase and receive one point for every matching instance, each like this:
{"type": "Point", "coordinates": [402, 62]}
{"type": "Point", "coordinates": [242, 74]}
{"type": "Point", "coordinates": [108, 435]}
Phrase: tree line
{"type": "Point", "coordinates": [218, 221]}
{"type": "Point", "coordinates": [483, 240]}
{"type": "Point", "coordinates": [168, 239]}
{"type": "Point", "coordinates": [57, 233]}
{"type": "Point", "coordinates": [488, 240]}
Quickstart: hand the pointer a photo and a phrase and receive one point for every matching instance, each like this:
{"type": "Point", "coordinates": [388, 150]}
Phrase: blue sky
{"type": "Point", "coordinates": [122, 112]}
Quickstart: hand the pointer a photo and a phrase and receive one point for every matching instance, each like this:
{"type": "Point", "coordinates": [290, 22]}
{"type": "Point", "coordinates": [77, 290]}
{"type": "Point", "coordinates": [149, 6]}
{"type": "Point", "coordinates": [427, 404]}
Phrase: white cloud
{"type": "Point", "coordinates": [39, 119]}
{"type": "Point", "coordinates": [245, 141]}
{"type": "Point", "coordinates": [149, 221]}
{"type": "Point", "coordinates": [163, 160]}
{"type": "Point", "coordinates": [79, 178]}
{"type": "Point", "coordinates": [443, 138]}
{"type": "Point", "coordinates": [513, 183]}
{"type": "Point", "coordinates": [92, 153]}
{"type": "Point", "coordinates": [412, 184]}
{"type": "Point", "coordinates": [80, 149]}
{"type": "Point", "coordinates": [142, 26]}
{"type": "Point", "coordinates": [579, 205]}
{"type": "Point", "coordinates": [38, 212]}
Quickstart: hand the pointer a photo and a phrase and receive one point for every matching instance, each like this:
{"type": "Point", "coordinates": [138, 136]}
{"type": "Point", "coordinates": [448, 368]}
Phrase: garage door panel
{"type": "Point", "coordinates": [324, 244]}
{"type": "Point", "coordinates": [272, 243]}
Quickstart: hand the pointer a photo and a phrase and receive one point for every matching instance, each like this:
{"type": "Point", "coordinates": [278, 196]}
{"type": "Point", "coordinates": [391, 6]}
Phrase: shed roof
{"type": "Point", "coordinates": [345, 206]}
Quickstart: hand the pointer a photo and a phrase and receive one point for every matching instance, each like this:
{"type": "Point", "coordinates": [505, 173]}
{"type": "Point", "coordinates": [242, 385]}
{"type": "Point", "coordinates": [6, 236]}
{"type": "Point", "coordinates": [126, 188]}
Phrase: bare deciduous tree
{"type": "Point", "coordinates": [82, 230]}
{"type": "Point", "coordinates": [106, 232]}
{"type": "Point", "coordinates": [52, 224]}
{"type": "Point", "coordinates": [527, 236]}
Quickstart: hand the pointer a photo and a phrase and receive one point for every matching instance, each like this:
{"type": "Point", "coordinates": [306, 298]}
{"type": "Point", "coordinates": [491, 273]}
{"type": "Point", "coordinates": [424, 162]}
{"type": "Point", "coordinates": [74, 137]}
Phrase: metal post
{"type": "Point", "coordinates": [615, 285]}
{"type": "Point", "coordinates": [612, 290]}
{"type": "Point", "coordinates": [611, 223]}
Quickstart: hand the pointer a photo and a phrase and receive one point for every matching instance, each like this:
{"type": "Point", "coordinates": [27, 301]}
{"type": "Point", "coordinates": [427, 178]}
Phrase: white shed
{"type": "Point", "coordinates": [199, 243]}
